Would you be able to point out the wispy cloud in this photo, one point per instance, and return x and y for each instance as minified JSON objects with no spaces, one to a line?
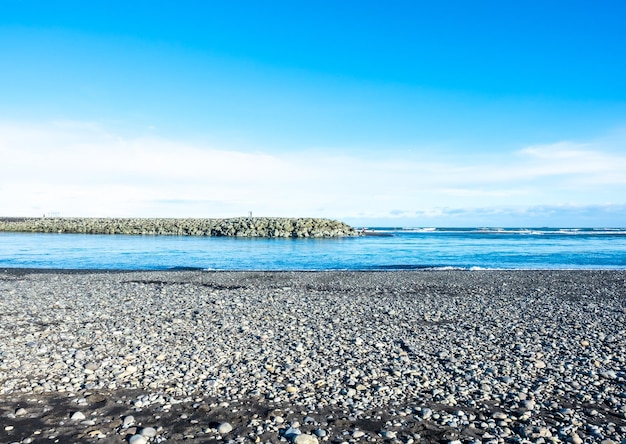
{"x":581,"y":160}
{"x":609,"y":215}
{"x":83,"y":169}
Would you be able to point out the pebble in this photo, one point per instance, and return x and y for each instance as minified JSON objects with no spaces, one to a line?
{"x":137,"y":439}
{"x":305,"y":439}
{"x":291,"y":433}
{"x":78,"y":416}
{"x":516,"y":352}
{"x":528,"y":404}
{"x":91,"y":366}
{"x":320,"y":433}
{"x":224,"y":428}
{"x":148,"y":432}
{"x":388,"y":434}
{"x":575,"y":439}
{"x":427,"y":413}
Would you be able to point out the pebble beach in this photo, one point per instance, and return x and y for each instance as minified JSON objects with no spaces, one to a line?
{"x":310,"y":357}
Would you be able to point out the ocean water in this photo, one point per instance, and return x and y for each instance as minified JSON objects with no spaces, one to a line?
{"x":388,"y":249}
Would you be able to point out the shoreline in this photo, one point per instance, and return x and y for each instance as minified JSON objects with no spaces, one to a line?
{"x":373,"y":270}
{"x":342,"y":356}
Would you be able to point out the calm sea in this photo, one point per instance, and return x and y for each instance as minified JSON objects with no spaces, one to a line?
{"x":391,"y":249}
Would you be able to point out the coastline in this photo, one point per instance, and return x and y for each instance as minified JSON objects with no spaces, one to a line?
{"x":405,"y":356}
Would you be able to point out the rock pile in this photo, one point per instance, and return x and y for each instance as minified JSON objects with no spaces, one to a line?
{"x":243,"y":226}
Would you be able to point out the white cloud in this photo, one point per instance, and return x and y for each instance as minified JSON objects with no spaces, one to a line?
{"x":81,"y":169}
{"x":567,"y":158}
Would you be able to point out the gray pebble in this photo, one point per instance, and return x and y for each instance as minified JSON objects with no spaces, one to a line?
{"x":148,"y":432}
{"x":320,"y":432}
{"x":137,"y":439}
{"x":77,"y":416}
{"x":305,"y":439}
{"x":224,"y":428}
{"x":527,"y":366}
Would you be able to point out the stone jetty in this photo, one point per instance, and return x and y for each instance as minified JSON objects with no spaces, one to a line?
{"x":240,"y":226}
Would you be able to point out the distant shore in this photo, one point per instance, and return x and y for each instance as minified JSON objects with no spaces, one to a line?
{"x":236,"y":227}
{"x":410,"y":357}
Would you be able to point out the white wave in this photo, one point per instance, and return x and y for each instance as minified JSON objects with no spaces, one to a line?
{"x":530,"y":232}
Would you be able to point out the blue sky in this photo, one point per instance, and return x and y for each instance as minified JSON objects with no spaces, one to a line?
{"x":451,"y":113}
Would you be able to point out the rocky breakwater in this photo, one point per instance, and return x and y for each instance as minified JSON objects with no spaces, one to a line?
{"x":241,"y":226}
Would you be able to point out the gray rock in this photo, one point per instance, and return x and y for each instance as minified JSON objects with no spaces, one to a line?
{"x":137,"y":439}
{"x":291,"y":433}
{"x":77,"y":416}
{"x":388,"y":434}
{"x":148,"y":432}
{"x":224,"y":428}
{"x":575,"y":439}
{"x":305,"y":439}
{"x":528,"y":404}
{"x":92,"y":366}
{"x":320,"y":433}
